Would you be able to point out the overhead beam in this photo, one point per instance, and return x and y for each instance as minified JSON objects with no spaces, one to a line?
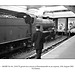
{"x":71,"y":7}
{"x":56,"y":11}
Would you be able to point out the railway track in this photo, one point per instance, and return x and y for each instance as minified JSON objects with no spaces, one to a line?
{"x":47,"y":49}
{"x":31,"y":54}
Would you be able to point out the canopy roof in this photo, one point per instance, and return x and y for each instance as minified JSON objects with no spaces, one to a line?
{"x":53,"y":11}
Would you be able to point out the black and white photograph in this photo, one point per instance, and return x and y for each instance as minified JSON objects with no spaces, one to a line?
{"x":37,"y":31}
{"x":37,"y":37}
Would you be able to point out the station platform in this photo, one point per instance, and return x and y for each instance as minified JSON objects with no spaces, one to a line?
{"x":65,"y":50}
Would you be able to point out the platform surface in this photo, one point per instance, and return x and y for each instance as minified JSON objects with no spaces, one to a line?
{"x":65,"y":50}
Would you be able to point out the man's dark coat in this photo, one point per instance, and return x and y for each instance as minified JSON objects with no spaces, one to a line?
{"x":38,"y":40}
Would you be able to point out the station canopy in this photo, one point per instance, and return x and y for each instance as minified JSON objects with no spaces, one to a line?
{"x":52,"y":11}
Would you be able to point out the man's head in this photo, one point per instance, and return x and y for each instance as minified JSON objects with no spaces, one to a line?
{"x":37,"y":27}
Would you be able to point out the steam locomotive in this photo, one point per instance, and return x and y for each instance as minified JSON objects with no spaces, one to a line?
{"x":16,"y":32}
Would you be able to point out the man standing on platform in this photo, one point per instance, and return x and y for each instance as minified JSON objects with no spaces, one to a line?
{"x":38,"y":41}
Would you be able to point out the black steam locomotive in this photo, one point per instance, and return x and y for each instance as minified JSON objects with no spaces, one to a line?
{"x":16,"y":32}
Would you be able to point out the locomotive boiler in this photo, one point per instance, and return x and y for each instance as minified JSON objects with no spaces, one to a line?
{"x":47,"y":27}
